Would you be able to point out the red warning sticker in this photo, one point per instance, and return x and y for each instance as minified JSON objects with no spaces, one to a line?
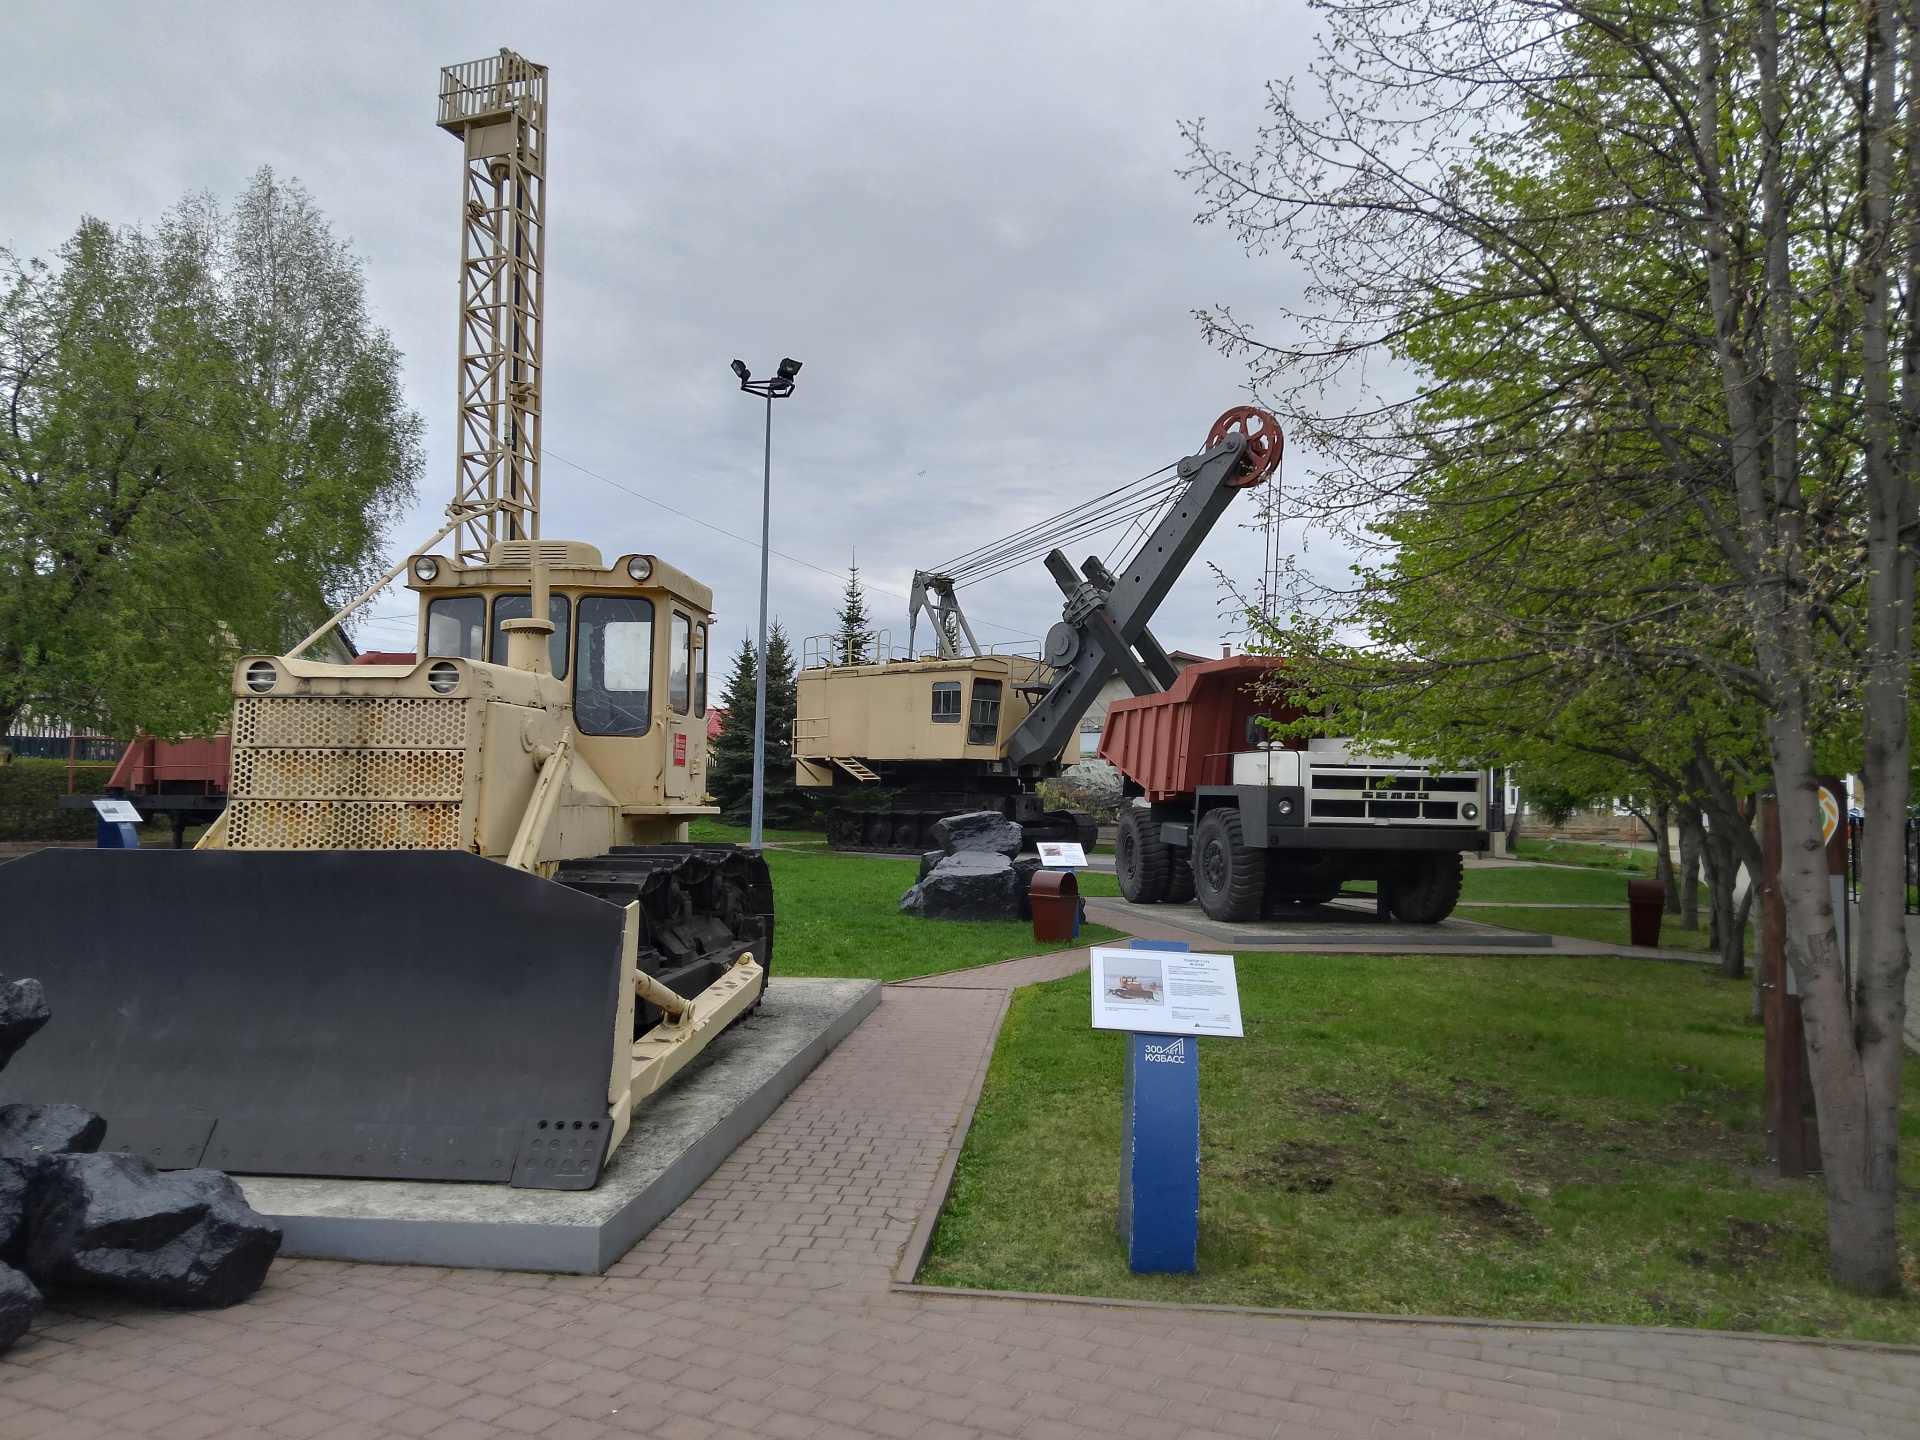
{"x":680,"y":750}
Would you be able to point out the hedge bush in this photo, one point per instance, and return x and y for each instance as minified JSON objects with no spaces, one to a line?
{"x":29,"y":793}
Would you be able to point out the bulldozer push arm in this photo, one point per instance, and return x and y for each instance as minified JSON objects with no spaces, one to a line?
{"x":1105,"y":618}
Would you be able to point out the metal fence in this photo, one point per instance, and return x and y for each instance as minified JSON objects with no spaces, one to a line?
{"x":91,"y":748}
{"x":1856,"y":827}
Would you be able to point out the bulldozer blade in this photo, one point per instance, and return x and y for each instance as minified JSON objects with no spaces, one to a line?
{"x":424,"y":1015}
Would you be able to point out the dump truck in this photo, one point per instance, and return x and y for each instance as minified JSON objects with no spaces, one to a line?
{"x":1219,"y":811}
{"x":965,"y":728}
{"x":449,"y":925}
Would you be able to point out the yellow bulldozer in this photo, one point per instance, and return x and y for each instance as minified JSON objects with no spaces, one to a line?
{"x":450,"y":926}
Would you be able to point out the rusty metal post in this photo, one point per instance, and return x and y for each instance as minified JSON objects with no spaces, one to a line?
{"x":1793,"y":1139}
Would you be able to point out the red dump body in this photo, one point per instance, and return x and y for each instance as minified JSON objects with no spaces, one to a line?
{"x":1172,"y":743}
{"x":173,"y":767}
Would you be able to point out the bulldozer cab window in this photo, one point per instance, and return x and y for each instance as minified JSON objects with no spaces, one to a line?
{"x":700,"y":670}
{"x":613,"y":691}
{"x":457,"y":627}
{"x":680,"y":663}
{"x":946,"y":702}
{"x":983,"y":725}
{"x":519,"y":607}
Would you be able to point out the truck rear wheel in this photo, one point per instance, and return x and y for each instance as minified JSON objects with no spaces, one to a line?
{"x":1426,"y":890}
{"x":1179,"y":876}
{"x":1229,"y":878}
{"x":1140,"y":857}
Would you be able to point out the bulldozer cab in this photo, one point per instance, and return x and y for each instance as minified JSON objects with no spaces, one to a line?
{"x":629,"y":645}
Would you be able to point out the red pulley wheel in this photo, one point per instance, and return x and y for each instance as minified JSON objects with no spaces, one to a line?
{"x":1265,"y":442}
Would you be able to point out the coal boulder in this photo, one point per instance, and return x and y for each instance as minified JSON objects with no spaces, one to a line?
{"x":23,"y":1010}
{"x":972,"y":885}
{"x":986,"y":830}
{"x":181,"y":1237}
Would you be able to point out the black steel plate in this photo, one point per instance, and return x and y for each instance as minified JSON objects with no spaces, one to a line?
{"x":325,"y":1012}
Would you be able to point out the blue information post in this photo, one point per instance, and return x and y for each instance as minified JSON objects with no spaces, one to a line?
{"x":1160,"y":1126}
{"x":113,"y":828}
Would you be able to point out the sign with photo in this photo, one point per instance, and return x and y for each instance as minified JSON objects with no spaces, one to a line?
{"x":116,"y":812}
{"x":1054,"y":852}
{"x":1165,"y":992}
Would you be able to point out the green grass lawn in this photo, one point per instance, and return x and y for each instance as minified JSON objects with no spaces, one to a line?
{"x":1549,"y":885}
{"x":1637,"y":861}
{"x":1564,"y":1138}
{"x":840,"y":915}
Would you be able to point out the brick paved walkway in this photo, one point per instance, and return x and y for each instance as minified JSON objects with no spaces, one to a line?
{"x":763,"y":1307}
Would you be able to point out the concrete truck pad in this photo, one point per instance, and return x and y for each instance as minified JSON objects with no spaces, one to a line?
{"x":677,"y":1140}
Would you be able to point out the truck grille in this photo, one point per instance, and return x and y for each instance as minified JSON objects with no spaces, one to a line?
{"x":1363,"y":792}
{"x":347,"y":774}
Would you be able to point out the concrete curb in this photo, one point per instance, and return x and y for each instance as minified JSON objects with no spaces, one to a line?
{"x":1458,"y":1322}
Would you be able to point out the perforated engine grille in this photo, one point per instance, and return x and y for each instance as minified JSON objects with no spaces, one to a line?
{"x":347,"y":774}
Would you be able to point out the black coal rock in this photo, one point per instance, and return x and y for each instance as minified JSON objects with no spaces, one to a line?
{"x":972,"y":885}
{"x":30,"y":1131}
{"x":23,"y":1010}
{"x":987,"y":830}
{"x":184,"y":1237}
{"x":929,"y":859}
{"x":19,"y":1302}
{"x":1023,"y":872}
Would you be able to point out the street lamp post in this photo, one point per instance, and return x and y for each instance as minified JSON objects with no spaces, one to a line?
{"x":778,"y":388}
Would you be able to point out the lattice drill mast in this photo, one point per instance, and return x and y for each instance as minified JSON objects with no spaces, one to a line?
{"x":498,"y":108}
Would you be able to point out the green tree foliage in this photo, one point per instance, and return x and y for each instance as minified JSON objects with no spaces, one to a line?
{"x":730,"y":771}
{"x":854,"y":640}
{"x":1654,"y":495}
{"x":204,"y":437}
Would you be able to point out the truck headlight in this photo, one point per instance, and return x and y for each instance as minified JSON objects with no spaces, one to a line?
{"x":1286,"y":807}
{"x":262,"y":677}
{"x":443,"y":676}
{"x":1469,"y":811}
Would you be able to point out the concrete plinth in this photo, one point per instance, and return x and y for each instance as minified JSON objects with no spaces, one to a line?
{"x":678,"y":1139}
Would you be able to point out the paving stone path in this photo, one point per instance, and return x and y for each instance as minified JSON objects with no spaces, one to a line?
{"x":766,"y":1307}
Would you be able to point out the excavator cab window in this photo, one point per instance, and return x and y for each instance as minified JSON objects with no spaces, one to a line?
{"x":680,"y":663}
{"x":946,"y":702}
{"x":519,"y":607}
{"x":457,"y":626}
{"x":700,"y":670}
{"x":613,"y":691}
{"x":983,"y":725}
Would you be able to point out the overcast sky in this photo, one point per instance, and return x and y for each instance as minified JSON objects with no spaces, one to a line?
{"x":966,"y":221}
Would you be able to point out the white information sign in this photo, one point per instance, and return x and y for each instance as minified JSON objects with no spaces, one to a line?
{"x":1165,"y":992}
{"x":1056,"y":852}
{"x":116,"y":811}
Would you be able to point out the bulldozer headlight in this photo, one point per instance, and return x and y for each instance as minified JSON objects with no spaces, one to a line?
{"x":1469,"y":811}
{"x":262,"y":677}
{"x":443,"y":676}
{"x":639,"y":567}
{"x":425,"y":567}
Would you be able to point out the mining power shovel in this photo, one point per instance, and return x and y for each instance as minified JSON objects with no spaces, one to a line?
{"x":449,"y":926}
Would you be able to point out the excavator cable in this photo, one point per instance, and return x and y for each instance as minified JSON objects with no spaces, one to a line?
{"x":1118,"y":507}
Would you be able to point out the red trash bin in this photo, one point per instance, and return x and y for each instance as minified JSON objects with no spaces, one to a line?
{"x":1646,"y":904}
{"x":1055,"y":895}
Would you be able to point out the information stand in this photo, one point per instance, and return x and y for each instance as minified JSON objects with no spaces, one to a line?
{"x":114,"y":826}
{"x":1160,"y":1124}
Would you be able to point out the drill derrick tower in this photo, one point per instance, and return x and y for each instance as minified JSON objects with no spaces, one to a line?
{"x":498,"y":108}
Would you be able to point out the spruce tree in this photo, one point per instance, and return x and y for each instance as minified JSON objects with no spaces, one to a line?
{"x":730,"y":772}
{"x":856,"y":626}
{"x":730,"y":763}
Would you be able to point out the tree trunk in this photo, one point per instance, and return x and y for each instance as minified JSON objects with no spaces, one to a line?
{"x":1691,"y":836}
{"x":1663,"y":854}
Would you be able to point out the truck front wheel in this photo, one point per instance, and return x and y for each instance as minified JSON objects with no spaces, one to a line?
{"x":1229,"y":878}
{"x":1140,"y":857}
{"x":1425,"y":891}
